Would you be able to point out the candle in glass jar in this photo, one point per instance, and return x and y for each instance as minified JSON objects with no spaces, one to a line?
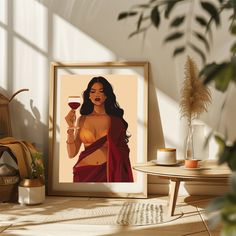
{"x":166,"y":156}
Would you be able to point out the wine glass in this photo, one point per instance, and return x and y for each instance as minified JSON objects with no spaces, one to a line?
{"x":74,"y":103}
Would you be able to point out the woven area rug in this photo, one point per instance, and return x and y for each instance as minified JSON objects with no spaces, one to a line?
{"x":95,"y":212}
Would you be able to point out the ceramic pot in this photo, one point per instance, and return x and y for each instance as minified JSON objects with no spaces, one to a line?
{"x":191,"y":163}
{"x":31,"y":192}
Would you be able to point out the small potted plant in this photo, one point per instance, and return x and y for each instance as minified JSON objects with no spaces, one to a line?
{"x":32,"y":190}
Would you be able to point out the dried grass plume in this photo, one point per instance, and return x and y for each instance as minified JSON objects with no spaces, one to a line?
{"x":195,"y":97}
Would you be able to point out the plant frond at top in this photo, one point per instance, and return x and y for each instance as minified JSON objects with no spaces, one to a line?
{"x":195,"y":97}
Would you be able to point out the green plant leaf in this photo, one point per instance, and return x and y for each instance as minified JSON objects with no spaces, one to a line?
{"x":233,"y":64}
{"x":178,"y":50}
{"x":233,"y":48}
{"x":210,"y":71}
{"x":173,"y":36}
{"x":223,"y":77}
{"x":220,"y":142}
{"x":177,"y":21}
{"x":155,"y":16}
{"x":37,"y":167}
{"x":233,"y":182}
{"x":124,"y":15}
{"x":212,"y":11}
{"x":224,"y":156}
{"x":233,"y":5}
{"x":229,"y":214}
{"x":216,"y":204}
{"x":232,"y":159}
{"x":228,"y":230}
{"x":233,"y":30}
{"x":231,"y":196}
{"x":198,"y":51}
{"x":202,"y":38}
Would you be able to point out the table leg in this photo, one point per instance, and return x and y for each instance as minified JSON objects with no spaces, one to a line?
{"x":173,"y":194}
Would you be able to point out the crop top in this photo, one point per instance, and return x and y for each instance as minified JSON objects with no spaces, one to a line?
{"x":88,"y":137}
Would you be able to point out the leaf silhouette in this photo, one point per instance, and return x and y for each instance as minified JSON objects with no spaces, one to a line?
{"x":203,"y":39}
{"x":178,"y":50}
{"x":142,"y":30}
{"x":140,"y":21}
{"x":212,"y":11}
{"x":124,"y":15}
{"x":177,"y":21}
{"x":155,"y":16}
{"x":142,"y":5}
{"x":169,"y":8}
{"x":201,"y":20}
{"x":174,"y":36}
{"x":199,"y":52}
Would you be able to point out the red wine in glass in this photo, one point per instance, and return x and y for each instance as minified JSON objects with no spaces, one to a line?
{"x":74,"y":102}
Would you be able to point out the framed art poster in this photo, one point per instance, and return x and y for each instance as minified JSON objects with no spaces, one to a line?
{"x":98,"y":129}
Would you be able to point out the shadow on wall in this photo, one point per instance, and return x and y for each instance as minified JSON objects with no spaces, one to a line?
{"x":71,"y":14}
{"x":28,"y":126}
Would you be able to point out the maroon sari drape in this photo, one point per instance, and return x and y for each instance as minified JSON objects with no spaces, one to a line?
{"x":117,"y":168}
{"x":90,"y":173}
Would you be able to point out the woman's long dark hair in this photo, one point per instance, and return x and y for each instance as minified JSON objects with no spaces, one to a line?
{"x":111,"y":105}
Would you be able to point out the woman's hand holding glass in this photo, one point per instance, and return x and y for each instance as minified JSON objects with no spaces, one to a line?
{"x":74,"y":103}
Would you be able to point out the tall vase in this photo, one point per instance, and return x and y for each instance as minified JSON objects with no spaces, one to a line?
{"x":189,"y":149}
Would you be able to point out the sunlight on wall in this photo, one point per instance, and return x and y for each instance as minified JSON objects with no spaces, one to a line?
{"x":170,"y":120}
{"x":69,"y":43}
{"x":33,"y":75}
{"x":3,"y":58}
{"x":213,"y":146}
{"x":3,"y":11}
{"x":33,"y":37}
{"x":31,"y":21}
{"x":3,"y":45}
{"x":175,"y":130}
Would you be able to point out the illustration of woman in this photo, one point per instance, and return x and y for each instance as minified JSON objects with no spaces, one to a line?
{"x":102,"y":130}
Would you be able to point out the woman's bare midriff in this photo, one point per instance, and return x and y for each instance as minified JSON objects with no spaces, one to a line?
{"x":96,"y":158}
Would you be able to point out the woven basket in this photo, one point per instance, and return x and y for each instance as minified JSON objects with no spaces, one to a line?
{"x":9,"y":188}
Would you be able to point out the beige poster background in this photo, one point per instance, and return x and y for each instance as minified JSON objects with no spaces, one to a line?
{"x":125,"y":89}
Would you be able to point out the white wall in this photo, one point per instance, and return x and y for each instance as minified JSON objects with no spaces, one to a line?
{"x":34,"y":33}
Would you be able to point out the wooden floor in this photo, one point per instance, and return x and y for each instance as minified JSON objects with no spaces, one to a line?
{"x":193,"y":222}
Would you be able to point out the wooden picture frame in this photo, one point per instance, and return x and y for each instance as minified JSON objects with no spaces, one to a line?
{"x":130,"y":84}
